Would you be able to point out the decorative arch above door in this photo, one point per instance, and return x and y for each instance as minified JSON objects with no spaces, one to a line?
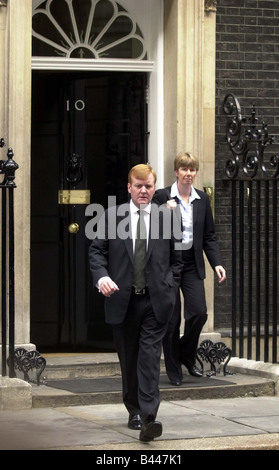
{"x":87,"y":33}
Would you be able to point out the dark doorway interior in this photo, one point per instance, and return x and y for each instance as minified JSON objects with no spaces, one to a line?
{"x":88,"y":130}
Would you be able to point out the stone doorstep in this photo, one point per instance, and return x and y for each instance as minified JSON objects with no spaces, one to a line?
{"x":93,"y":366}
{"x":45,"y":397}
{"x":68,"y":366}
{"x":17,"y":394}
{"x":262,"y":369}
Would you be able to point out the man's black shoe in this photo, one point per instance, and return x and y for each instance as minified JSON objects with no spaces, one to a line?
{"x":176,"y":382}
{"x":193,"y":370}
{"x":135,"y":422}
{"x":150,"y":430}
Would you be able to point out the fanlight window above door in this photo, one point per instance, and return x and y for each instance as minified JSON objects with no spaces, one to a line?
{"x":85,"y":29}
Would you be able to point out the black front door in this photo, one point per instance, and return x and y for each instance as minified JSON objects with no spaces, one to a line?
{"x":88,"y":130}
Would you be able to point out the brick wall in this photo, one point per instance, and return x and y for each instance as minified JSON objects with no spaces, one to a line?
{"x":247,"y":64}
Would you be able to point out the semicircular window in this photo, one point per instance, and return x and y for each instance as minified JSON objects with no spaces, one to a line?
{"x":85,"y":29}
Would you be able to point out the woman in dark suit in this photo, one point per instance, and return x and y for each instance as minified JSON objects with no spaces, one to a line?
{"x":198,"y":235}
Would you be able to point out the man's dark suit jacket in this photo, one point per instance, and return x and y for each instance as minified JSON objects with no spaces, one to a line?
{"x":204,"y":238}
{"x":114,"y":258}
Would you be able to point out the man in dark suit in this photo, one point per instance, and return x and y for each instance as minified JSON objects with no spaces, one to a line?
{"x":198,"y":237}
{"x":140,"y":297}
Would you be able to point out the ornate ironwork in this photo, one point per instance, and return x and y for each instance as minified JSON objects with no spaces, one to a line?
{"x":74,"y":169}
{"x":214,"y":353}
{"x":108,"y":28}
{"x":248,"y":143}
{"x":7,"y":186}
{"x":24,"y":361}
{"x":210,"y":5}
{"x":8,"y":168}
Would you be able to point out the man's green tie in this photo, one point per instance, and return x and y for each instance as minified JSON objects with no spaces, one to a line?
{"x":140,"y":252}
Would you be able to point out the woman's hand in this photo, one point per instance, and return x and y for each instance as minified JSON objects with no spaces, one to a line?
{"x":221,"y":273}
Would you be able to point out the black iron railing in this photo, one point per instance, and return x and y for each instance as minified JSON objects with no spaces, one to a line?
{"x":253,"y":173}
{"x":7,"y":186}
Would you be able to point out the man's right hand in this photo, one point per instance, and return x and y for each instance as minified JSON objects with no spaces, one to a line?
{"x":108,"y":287}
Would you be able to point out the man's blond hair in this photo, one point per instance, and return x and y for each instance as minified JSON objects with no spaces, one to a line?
{"x":141,"y":172}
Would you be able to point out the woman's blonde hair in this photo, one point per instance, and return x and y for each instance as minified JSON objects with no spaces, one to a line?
{"x":187,"y":160}
{"x":141,"y":172}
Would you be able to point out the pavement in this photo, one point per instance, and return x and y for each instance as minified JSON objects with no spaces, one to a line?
{"x":246,"y":422}
{"x":218,"y":424}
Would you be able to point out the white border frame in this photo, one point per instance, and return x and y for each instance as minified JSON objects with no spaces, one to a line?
{"x":114,"y":65}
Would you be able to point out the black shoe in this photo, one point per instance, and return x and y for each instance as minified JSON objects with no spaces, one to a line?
{"x":193,"y":370}
{"x":176,"y":382}
{"x":135,"y":422}
{"x":150,"y":430}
